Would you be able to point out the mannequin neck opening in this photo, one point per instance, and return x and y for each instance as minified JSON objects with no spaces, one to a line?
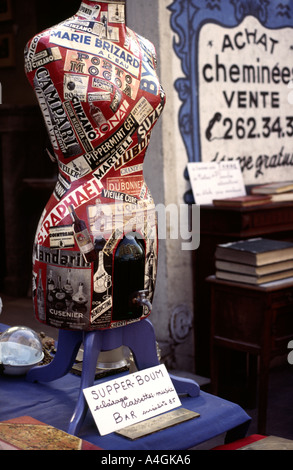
{"x":109,"y":12}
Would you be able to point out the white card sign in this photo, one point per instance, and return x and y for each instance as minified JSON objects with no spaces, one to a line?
{"x":131,"y":399}
{"x":211,"y":180}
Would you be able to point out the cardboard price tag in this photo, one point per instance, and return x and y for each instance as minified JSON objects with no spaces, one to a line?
{"x":131,"y":399}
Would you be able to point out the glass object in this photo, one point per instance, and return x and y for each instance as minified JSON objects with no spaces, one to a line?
{"x":20,"y":347}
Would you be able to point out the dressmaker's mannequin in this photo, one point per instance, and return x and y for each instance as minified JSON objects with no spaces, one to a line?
{"x":100,"y":96}
{"x":97,"y":87}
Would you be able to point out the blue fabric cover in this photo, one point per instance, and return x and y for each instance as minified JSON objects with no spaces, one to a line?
{"x":53,"y":403}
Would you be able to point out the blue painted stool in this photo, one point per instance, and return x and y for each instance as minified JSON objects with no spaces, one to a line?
{"x":139,"y":337}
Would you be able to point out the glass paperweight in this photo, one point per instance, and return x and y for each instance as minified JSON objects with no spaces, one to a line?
{"x":20,"y":349}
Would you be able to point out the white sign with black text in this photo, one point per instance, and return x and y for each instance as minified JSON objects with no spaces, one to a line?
{"x":130,"y":399}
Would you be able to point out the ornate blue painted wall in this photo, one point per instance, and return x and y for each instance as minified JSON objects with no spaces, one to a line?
{"x":188,"y":17}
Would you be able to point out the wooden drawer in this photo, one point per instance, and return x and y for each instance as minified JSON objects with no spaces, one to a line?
{"x":282,"y":328}
{"x":281,"y":298}
{"x":239,"y":317}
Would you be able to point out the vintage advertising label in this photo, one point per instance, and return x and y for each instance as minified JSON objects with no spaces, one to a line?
{"x":103,"y":75}
{"x":131,"y":399}
{"x":244,"y":80}
{"x":100,"y":47}
{"x":61,"y":237}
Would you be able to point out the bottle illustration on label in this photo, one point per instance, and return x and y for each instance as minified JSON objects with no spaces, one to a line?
{"x":102,"y":283}
{"x":102,"y":280}
{"x":50,"y":287}
{"x":82,"y":237}
{"x":68,"y":289}
{"x":59,"y":296}
{"x":41,"y":298}
{"x":129,"y":267}
{"x":79,"y":299}
{"x":99,"y":118}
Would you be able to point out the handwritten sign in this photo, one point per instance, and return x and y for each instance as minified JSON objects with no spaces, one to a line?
{"x":212,"y":180}
{"x":131,"y":399}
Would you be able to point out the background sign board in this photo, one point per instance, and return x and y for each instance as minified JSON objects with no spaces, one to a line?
{"x":238,"y":91}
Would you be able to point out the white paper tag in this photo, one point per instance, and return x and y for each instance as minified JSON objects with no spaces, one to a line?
{"x":131,"y":399}
{"x":213,"y":180}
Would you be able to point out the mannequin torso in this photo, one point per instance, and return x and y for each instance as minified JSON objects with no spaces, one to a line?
{"x":100,"y":96}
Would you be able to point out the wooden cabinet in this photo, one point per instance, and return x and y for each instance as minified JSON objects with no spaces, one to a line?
{"x":221,"y":225}
{"x":23,"y":140}
{"x":256,"y":320}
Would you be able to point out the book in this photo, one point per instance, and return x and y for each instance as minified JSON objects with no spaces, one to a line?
{"x":258,"y":442}
{"x":242,"y":201}
{"x":270,"y":443}
{"x":255,"y":251}
{"x":254,"y":270}
{"x":257,"y":280}
{"x":282,"y":197}
{"x":27,"y":433}
{"x":273,"y":188}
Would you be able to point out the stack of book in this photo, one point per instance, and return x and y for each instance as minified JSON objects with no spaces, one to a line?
{"x":263,"y":194}
{"x":243,"y":201}
{"x":278,"y":192}
{"x":254,"y":261}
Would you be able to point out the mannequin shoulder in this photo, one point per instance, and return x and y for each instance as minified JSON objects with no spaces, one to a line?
{"x":44,"y":36}
{"x":40,"y":39}
{"x":146,"y":46}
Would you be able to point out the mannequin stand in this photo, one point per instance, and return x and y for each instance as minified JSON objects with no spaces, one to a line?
{"x":139,"y":337}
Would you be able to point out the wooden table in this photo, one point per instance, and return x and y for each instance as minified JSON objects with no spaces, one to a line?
{"x":257,"y":320}
{"x":223,"y":225}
